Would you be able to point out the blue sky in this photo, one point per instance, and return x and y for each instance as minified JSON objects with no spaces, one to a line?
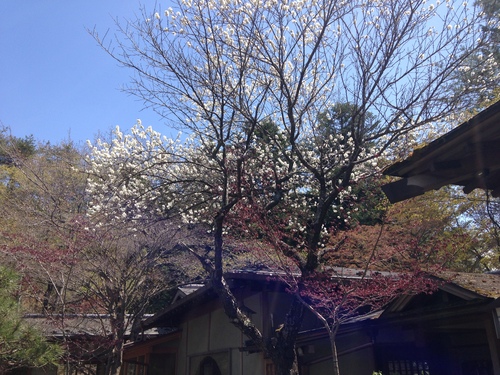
{"x":56,"y":83}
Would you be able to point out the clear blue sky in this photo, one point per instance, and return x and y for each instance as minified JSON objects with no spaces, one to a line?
{"x":55,"y":82}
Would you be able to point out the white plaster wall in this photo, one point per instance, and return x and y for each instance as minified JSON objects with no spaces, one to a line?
{"x":223,"y":334}
{"x":197,"y":334}
{"x":212,"y":332}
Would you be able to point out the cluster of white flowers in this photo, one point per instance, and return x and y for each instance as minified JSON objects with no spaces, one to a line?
{"x":127,"y":173}
{"x":286,"y":62}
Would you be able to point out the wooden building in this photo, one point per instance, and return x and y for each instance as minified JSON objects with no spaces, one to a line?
{"x":452,"y":331}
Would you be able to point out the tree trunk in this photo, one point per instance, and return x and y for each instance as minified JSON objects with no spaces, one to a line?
{"x":281,"y":348}
{"x":117,"y":322}
{"x":332,"y":335}
{"x":285,"y":360}
{"x":116,"y":359}
{"x":335,"y":357}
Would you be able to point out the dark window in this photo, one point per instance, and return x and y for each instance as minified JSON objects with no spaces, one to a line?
{"x":408,"y":367}
{"x":162,"y":364}
{"x":135,"y":366}
{"x":477,"y":368}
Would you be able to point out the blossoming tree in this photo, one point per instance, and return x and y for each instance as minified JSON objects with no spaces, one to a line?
{"x":253,"y":83}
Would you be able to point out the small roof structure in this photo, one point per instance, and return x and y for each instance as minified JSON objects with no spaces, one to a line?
{"x":467,"y":156}
{"x":70,"y":324}
{"x":75,"y":325}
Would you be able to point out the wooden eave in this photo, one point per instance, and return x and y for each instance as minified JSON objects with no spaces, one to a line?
{"x":137,"y":348}
{"x":467,"y":156}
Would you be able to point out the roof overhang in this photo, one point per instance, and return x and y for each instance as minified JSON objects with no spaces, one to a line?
{"x":469,"y":287}
{"x":467,"y":156}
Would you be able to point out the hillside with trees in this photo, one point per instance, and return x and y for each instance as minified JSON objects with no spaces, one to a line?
{"x":68,"y":266}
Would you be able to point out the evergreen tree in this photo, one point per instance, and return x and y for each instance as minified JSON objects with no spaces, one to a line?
{"x":20,"y":344}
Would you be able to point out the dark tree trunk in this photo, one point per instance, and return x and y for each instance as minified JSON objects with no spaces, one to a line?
{"x":281,"y":347}
{"x":117,"y":323}
{"x":335,"y":357}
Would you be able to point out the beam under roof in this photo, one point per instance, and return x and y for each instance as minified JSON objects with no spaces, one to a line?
{"x":467,"y":156}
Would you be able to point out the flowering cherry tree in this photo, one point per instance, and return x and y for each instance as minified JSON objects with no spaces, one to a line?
{"x":286,"y":105}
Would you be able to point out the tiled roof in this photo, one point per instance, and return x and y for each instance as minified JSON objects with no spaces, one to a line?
{"x":74,"y":324}
{"x":484,"y":284}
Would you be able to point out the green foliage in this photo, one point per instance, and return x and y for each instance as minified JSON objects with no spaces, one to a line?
{"x":483,"y":67}
{"x":456,"y":226}
{"x":20,"y":344}
{"x":479,"y":217}
{"x":492,"y":9}
{"x":366,"y":203}
{"x":10,"y":145}
{"x":342,"y":118}
{"x":371,"y":205}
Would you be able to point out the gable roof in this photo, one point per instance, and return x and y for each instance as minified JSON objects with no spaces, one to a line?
{"x":467,"y":156}
{"x":484,"y":288}
{"x":186,"y":290}
{"x":202,"y":293}
{"x":466,"y":295}
{"x":169,"y":315}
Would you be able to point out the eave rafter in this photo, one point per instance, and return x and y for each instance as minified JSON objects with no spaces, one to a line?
{"x":468,"y":156}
